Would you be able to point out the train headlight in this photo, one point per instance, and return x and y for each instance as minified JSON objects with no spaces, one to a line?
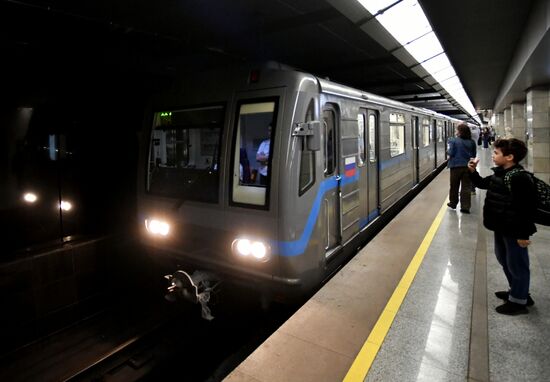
{"x":30,"y":197}
{"x":259,"y":250}
{"x":256,"y":249}
{"x":65,"y":205}
{"x":243,"y":246}
{"x":157,"y":227}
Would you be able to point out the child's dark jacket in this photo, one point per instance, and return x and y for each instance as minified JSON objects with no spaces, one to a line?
{"x":509,"y":213}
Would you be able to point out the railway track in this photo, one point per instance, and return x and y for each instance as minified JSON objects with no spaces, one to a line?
{"x":131,"y":360}
{"x":165,"y":341}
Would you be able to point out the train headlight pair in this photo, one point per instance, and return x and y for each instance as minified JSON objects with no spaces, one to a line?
{"x":31,"y":198}
{"x":157,"y":227}
{"x":253,"y":248}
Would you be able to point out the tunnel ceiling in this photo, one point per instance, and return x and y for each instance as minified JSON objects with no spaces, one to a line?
{"x":49,"y":45}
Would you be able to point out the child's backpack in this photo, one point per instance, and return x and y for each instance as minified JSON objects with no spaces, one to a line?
{"x":542,"y":214}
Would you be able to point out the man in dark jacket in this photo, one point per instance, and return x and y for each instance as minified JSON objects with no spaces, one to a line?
{"x":508,"y":211}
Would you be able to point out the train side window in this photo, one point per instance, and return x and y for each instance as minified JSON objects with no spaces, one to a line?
{"x":426,"y":132}
{"x":253,"y":152}
{"x":330,"y":142}
{"x":307,"y":168}
{"x":307,"y":158}
{"x":439,"y":131}
{"x":397,"y":134}
{"x":372,"y":138}
{"x":361,"y":157}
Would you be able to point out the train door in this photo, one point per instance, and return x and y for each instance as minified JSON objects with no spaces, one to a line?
{"x":331,"y":197}
{"x":415,"y":144}
{"x":447,"y":136}
{"x":435,"y":137}
{"x":368,"y":166}
{"x":372,"y":167}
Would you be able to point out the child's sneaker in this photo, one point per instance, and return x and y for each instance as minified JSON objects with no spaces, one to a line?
{"x":511,"y":308}
{"x":503,"y":295}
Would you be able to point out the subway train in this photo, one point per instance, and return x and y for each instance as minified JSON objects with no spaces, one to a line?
{"x":269,"y":177}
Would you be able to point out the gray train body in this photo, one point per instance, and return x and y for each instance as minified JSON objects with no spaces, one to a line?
{"x":339,"y":158}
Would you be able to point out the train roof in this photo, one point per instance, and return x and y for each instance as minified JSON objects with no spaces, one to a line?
{"x":234,"y":77}
{"x":330,"y":87}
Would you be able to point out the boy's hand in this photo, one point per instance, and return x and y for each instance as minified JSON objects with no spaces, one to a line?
{"x":472,"y":164}
{"x":523,"y":243}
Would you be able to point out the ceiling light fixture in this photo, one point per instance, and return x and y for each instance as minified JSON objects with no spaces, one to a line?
{"x":406,"y":22}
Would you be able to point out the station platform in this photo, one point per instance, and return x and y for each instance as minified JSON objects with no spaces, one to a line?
{"x":417,"y":304}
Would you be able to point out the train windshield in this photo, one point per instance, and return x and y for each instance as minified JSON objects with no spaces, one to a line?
{"x":184,"y":153}
{"x":253,"y":152}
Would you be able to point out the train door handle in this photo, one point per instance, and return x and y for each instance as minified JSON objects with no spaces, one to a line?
{"x":338,"y":177}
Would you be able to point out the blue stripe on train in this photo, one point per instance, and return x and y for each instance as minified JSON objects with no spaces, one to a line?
{"x":297,"y":247}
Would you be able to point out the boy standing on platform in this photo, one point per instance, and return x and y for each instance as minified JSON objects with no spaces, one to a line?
{"x":509,"y":211}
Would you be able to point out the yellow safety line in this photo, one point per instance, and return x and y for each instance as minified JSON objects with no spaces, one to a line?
{"x":362,"y":363}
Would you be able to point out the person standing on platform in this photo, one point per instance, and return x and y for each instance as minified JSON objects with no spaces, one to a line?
{"x":492,"y":134}
{"x":476,"y":137}
{"x":485,"y":136}
{"x":460,"y":149}
{"x":508,"y":212}
{"x":475,"y":133}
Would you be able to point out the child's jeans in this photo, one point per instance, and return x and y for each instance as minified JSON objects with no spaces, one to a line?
{"x":515,"y":263}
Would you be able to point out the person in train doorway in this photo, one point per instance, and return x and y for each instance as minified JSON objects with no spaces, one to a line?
{"x":460,"y":149}
{"x":262,"y":156}
{"x":508,"y":212}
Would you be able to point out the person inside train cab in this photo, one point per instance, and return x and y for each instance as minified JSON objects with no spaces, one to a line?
{"x":244,"y":167}
{"x":509,"y":210}
{"x":262,"y":156}
{"x":460,"y":150}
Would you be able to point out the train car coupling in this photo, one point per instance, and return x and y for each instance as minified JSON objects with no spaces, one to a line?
{"x":196,"y":288}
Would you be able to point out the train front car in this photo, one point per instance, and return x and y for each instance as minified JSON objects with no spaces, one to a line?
{"x":217,"y":166}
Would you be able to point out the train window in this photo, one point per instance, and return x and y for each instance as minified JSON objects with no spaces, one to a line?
{"x":397,"y":134}
{"x":361,"y":140}
{"x":372,"y":138}
{"x":307,"y":168}
{"x":307,"y":158}
{"x":184,"y":153}
{"x":439,"y":131}
{"x":330,"y":141}
{"x":426,"y":132}
{"x":253,"y":152}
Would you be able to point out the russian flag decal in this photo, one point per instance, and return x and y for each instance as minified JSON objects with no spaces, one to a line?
{"x":350,"y":167}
